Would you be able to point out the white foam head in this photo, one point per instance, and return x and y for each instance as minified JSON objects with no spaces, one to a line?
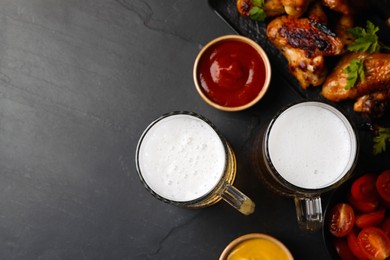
{"x":181,"y":158}
{"x":312,"y":145}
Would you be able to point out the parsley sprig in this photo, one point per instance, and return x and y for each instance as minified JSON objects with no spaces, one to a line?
{"x":380,"y":140}
{"x":366,"y":39}
{"x":355,"y":71}
{"x":257,"y":12}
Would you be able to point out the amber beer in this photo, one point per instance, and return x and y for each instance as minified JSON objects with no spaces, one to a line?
{"x":183,"y":160}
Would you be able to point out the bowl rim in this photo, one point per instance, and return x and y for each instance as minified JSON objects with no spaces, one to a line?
{"x":225,"y":253}
{"x":259,"y":50}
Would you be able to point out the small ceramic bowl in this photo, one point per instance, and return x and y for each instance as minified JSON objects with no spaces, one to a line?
{"x":232,"y":73}
{"x":256,"y":246}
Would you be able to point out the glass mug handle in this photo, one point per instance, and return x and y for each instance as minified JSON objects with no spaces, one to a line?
{"x":237,"y":199}
{"x":309,"y":212}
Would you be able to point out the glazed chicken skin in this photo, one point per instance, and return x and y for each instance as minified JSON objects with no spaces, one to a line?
{"x":304,"y":43}
{"x":377,"y":77}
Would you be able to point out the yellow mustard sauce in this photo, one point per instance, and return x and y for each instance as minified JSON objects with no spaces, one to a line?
{"x":258,"y":249}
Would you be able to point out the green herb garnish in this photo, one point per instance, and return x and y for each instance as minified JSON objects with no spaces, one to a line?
{"x":355,"y":70}
{"x":366,"y":40}
{"x":257,"y":11}
{"x":380,"y":140}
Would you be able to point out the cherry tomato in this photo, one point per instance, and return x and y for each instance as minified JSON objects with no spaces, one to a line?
{"x":342,"y":219}
{"x":353,"y":244}
{"x":386,"y":226}
{"x":342,"y":249}
{"x":383,"y":185}
{"x":363,"y":206}
{"x":363,"y":188}
{"x":370,"y":219}
{"x":374,"y":243}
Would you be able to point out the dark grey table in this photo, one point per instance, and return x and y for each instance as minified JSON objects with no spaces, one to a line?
{"x":79,"y":81}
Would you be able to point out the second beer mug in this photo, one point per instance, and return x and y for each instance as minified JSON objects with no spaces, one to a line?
{"x":308,"y":148}
{"x":183,"y":160}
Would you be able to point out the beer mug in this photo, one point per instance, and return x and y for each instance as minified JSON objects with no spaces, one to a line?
{"x":307,"y":149}
{"x":182,"y":159}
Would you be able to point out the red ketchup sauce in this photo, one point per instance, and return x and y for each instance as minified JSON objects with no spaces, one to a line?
{"x":231,"y":73}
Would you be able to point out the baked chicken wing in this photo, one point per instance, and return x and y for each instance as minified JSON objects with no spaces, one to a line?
{"x":304,"y":43}
{"x":377,"y":77}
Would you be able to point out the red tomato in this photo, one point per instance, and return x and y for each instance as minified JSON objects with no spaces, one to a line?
{"x":383,"y":185}
{"x":353,"y":244}
{"x":342,"y":219}
{"x":363,"y":188}
{"x":386,"y":226}
{"x":363,"y":206}
{"x":342,"y":249}
{"x":370,"y":219}
{"x":374,"y":243}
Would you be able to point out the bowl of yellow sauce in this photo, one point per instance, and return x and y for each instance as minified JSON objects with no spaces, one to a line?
{"x":256,"y":246}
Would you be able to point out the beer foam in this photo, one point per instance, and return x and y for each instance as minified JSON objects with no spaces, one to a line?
{"x":312,"y":146}
{"x":181,"y":158}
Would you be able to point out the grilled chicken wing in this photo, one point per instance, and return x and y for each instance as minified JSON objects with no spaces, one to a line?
{"x":377,"y":77}
{"x":346,"y":7}
{"x":244,"y":6}
{"x":316,"y":13}
{"x":296,"y":7}
{"x":374,"y":104}
{"x":276,"y":7}
{"x":343,"y":24}
{"x":271,"y":7}
{"x":304,"y":43}
{"x":340,"y":6}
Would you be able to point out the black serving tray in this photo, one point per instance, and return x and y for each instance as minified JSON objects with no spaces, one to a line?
{"x":378,"y":13}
